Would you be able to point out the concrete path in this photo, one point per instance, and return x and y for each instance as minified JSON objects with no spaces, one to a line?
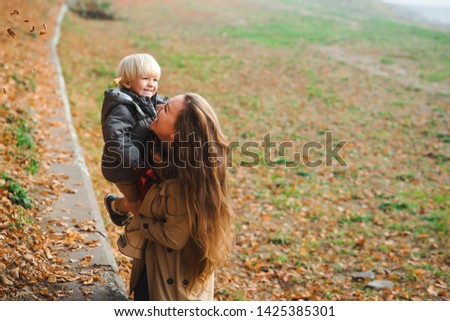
{"x":78,"y":206}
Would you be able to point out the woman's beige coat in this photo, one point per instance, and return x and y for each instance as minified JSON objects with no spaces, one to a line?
{"x":163,"y":220}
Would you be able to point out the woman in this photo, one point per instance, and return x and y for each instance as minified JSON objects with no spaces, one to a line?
{"x":186,"y":217}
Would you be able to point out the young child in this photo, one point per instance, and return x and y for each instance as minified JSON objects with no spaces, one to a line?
{"x":127,"y":113}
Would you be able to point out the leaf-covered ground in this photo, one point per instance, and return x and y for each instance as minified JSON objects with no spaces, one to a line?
{"x":297,"y":70}
{"x":28,"y":101}
{"x":32,"y":266}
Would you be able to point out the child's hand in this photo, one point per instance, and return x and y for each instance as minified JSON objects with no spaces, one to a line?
{"x":133,"y":206}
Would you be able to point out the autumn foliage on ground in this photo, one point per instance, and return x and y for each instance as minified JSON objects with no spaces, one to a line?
{"x":31,"y":264}
{"x":292,"y":69}
{"x":297,"y":69}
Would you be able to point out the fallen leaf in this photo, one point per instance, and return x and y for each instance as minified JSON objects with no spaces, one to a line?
{"x":26,"y":21}
{"x":45,"y":26}
{"x":32,"y":29}
{"x":70,"y":191}
{"x":6,"y":281}
{"x":85,"y":262}
{"x":52,"y":279}
{"x":48,"y":253}
{"x":14,"y":12}
{"x":15,"y":273}
{"x":431,"y":290}
{"x":42,"y":32}
{"x":89,"y":281}
{"x":87,"y":291}
{"x":11,"y":32}
{"x":441,"y":284}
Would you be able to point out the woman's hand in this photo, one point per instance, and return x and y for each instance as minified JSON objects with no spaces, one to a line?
{"x":133,"y":225}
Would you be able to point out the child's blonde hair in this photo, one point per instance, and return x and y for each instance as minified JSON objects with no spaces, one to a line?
{"x":135,"y":66}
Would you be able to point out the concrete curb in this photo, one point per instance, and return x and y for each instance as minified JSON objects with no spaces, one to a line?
{"x":80,"y":205}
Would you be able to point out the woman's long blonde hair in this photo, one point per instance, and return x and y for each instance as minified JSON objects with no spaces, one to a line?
{"x":200,"y":150}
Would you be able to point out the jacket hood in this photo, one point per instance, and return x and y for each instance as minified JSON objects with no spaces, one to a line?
{"x":120,"y":96}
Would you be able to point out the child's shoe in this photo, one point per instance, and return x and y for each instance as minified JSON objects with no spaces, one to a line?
{"x":132,"y":243}
{"x":117,"y":217}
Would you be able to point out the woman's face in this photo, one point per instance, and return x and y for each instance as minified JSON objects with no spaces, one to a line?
{"x":164,"y":125}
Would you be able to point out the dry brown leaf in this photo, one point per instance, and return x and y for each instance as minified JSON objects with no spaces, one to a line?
{"x":45,"y":26}
{"x":6,"y":281}
{"x":4,"y":90}
{"x":26,"y":20}
{"x":52,"y":279}
{"x":11,"y":32}
{"x":87,"y":291}
{"x":29,"y":257}
{"x":32,"y":29}
{"x":70,"y":191}
{"x":15,"y":273}
{"x":85,"y":262}
{"x":48,"y":254}
{"x":14,"y":12}
{"x":42,"y":32}
{"x":432,"y":291}
{"x":88,"y":281}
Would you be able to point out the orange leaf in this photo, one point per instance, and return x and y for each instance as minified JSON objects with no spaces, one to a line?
{"x":52,"y":279}
{"x":6,"y":281}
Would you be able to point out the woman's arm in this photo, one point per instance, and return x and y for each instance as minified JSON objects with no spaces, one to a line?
{"x":173,"y":231}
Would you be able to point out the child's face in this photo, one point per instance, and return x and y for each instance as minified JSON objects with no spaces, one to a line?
{"x":143,"y":86}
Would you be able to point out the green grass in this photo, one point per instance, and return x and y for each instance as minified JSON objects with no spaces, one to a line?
{"x":22,"y":220}
{"x":393,"y":34}
{"x":29,"y":82}
{"x":281,"y":239}
{"x":290,"y":29}
{"x":33,"y":166}
{"x":102,"y":71}
{"x":412,"y":42}
{"x":389,"y":206}
{"x":437,"y":222}
{"x":387,"y":60}
{"x":17,"y":194}
{"x":444,"y":137}
{"x":23,"y":134}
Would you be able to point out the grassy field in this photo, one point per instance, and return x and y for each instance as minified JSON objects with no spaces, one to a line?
{"x":297,"y":70}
